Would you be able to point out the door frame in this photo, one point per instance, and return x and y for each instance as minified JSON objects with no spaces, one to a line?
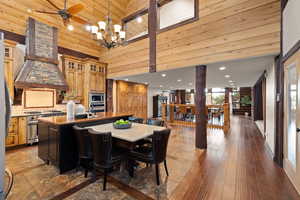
{"x":291,"y":171}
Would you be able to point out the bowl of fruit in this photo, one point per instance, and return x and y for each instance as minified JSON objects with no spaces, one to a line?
{"x":122,"y":124}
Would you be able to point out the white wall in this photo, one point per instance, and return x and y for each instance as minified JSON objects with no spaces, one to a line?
{"x":270,"y":107}
{"x":291,"y":25}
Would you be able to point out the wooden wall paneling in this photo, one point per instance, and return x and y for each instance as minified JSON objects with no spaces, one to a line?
{"x":227,"y":30}
{"x":200,"y":103}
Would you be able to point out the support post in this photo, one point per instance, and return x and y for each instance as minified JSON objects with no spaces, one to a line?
{"x":152,"y":26}
{"x":200,"y":103}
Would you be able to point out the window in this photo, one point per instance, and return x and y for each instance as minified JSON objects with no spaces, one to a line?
{"x":215,"y":96}
{"x":136,"y":26}
{"x":171,"y":14}
{"x":176,"y":12}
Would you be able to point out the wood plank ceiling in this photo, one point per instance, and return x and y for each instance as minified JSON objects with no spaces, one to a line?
{"x":13,"y":16}
{"x":226,"y":30}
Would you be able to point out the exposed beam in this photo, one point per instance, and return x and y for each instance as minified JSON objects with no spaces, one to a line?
{"x":200,"y":101}
{"x":152,"y":27}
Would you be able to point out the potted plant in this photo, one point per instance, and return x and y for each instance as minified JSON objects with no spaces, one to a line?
{"x":246,"y":101}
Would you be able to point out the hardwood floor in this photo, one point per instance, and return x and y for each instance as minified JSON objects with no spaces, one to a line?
{"x":236,"y":166}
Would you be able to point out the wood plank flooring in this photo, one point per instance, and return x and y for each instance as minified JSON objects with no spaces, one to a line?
{"x":236,"y":166}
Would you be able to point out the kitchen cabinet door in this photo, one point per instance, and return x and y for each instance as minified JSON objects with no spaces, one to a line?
{"x":12,"y":138}
{"x":22,"y":130}
{"x":79,"y":81}
{"x":71,"y":79}
{"x":53,"y":144}
{"x":93,"y":78}
{"x":8,"y":68}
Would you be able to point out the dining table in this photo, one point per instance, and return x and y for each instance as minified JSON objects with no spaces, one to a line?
{"x":128,"y":137}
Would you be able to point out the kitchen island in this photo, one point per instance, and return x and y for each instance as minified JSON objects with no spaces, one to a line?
{"x":57,"y":141}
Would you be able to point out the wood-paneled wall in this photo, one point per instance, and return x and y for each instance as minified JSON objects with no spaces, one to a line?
{"x":226,"y":30}
{"x":13,"y":17}
{"x":132,"y":98}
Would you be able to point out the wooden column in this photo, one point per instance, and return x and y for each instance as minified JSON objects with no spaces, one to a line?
{"x":152,"y":26}
{"x":279,"y":111}
{"x":200,"y":103}
{"x":227,"y":90}
{"x":109,"y":95}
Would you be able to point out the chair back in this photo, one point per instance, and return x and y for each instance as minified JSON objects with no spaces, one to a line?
{"x":136,"y":120}
{"x":102,"y":147}
{"x":160,"y":144}
{"x":84,"y":142}
{"x":155,"y":122}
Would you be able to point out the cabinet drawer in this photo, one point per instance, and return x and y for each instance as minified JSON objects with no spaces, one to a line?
{"x":11,"y":140}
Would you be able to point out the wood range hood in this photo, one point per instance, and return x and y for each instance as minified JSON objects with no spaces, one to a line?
{"x":40,"y":69}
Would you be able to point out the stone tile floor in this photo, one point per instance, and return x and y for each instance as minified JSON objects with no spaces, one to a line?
{"x":36,"y":180}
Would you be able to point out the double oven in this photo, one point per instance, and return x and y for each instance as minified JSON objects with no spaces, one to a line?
{"x":97,"y":102}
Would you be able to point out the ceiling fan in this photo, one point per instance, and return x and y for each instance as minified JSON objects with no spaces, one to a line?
{"x":66,"y":14}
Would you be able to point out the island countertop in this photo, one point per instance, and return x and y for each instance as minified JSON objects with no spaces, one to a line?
{"x":62,"y":120}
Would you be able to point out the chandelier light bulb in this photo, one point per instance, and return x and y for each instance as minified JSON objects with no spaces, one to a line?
{"x":102,"y":25}
{"x":94,"y":29}
{"x":117,"y":28}
{"x":99,"y":36}
{"x":122,"y":34}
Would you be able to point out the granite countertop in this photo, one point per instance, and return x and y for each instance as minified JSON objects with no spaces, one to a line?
{"x":24,"y":114}
{"x":62,"y":120}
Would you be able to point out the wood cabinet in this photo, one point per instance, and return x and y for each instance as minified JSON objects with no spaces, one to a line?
{"x":17,"y":132}
{"x":83,"y":76}
{"x":9,"y":65}
{"x":73,"y":70}
{"x":12,"y":138}
{"x":97,"y":76}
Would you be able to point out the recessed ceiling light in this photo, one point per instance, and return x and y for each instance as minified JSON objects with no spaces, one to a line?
{"x":126,"y":79}
{"x":146,"y":83}
{"x":139,"y":19}
{"x":190,"y":83}
{"x":29,"y":10}
{"x":161,"y":86}
{"x":163,"y":75}
{"x":70,"y":27}
{"x":230,"y":81}
{"x":227,"y":76}
{"x":222,"y":68}
{"x":179,"y":80}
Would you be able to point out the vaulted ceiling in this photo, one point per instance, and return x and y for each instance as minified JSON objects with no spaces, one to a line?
{"x":14,"y":14}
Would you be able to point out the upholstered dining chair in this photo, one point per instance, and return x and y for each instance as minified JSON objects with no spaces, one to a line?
{"x":105,"y":155}
{"x":155,"y":154}
{"x":84,"y":144}
{"x":136,"y":120}
{"x":155,"y":122}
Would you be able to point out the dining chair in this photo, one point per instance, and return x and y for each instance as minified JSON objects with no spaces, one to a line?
{"x":155,"y":122}
{"x":85,"y":155}
{"x":136,"y":120}
{"x":105,"y":155}
{"x":155,"y":154}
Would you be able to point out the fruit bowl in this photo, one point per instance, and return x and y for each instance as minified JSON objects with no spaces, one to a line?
{"x":122,"y":124}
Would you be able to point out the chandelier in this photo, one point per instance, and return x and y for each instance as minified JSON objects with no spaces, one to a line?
{"x":108,"y":35}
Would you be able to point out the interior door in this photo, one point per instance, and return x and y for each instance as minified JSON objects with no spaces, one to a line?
{"x":292,"y":119}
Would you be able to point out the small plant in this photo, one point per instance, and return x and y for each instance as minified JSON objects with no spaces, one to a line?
{"x":246,"y":101}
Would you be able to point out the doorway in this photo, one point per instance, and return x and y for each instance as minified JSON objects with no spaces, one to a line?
{"x":291,"y":162}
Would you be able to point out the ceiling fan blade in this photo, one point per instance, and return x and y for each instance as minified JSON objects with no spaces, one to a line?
{"x":79,"y":20}
{"x":75,"y":9}
{"x":46,"y":12}
{"x":55,"y":6}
